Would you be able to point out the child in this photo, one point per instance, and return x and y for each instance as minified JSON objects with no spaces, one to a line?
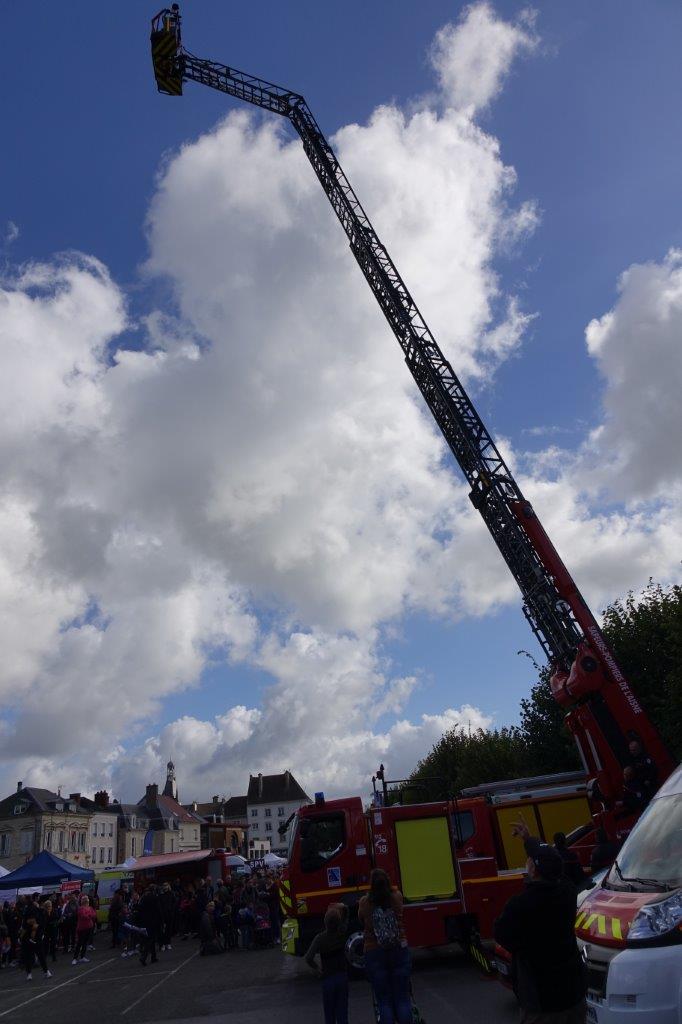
{"x":330,"y":946}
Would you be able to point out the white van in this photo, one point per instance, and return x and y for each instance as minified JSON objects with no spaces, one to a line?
{"x":630,"y":926}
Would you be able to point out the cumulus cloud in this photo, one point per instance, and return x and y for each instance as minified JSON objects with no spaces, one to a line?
{"x":637,"y":348}
{"x":473,"y":57}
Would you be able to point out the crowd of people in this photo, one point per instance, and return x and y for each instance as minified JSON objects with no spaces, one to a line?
{"x":241,"y":913}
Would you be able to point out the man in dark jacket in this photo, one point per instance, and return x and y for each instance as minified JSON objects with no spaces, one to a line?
{"x":149,"y":917}
{"x":537,"y":927}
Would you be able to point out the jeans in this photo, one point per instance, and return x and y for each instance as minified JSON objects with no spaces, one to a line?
{"x":389,"y":973}
{"x":335,"y":998}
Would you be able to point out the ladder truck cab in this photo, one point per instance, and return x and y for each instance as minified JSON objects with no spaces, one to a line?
{"x":455,"y":861}
{"x":335,"y":844}
{"x":629,"y":927}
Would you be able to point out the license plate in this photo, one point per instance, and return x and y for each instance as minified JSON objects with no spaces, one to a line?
{"x":591,"y":1016}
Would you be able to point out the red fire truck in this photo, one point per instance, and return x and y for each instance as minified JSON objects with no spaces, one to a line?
{"x":602,"y":712}
{"x":455,"y":861}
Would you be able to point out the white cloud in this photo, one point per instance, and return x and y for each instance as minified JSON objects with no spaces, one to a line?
{"x":11,"y":232}
{"x":473,"y":57}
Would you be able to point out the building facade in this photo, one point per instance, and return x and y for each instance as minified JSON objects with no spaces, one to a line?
{"x":104,"y":821}
{"x":172,"y":827}
{"x":221,"y":830}
{"x":35,"y":819}
{"x":270,"y":802}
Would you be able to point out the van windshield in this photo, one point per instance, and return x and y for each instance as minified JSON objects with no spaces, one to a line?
{"x":652,"y":855}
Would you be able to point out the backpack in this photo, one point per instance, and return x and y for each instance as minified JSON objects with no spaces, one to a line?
{"x":386,"y":928}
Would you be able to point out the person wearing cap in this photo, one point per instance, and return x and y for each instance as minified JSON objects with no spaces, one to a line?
{"x":537,"y":928}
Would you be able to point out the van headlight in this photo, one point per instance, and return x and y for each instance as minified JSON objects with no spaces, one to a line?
{"x":657,"y":919}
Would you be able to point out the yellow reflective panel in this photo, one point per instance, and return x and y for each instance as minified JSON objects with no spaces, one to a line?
{"x":289,"y":935}
{"x":563,"y":815}
{"x":425,"y":858}
{"x":513,"y":846}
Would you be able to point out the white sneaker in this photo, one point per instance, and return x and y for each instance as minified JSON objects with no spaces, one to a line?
{"x":169,"y":947}
{"x":29,"y":977}
{"x":48,"y":974}
{"x":84,"y":960}
{"x":74,"y":962}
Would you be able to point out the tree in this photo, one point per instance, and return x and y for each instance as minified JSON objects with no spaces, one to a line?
{"x":645,"y":633}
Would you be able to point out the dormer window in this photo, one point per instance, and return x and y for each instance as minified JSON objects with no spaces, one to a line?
{"x":20,"y":808}
{"x":59,"y":807}
{"x":72,"y":807}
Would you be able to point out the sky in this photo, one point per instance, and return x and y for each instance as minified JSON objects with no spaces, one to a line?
{"x":230,"y":534}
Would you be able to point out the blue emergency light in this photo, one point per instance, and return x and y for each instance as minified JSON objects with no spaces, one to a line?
{"x":319,"y":798}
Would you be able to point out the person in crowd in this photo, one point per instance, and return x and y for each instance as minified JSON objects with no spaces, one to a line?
{"x":604,"y":852}
{"x":5,"y":941}
{"x":387,"y":957}
{"x":208,"y":940}
{"x":188,"y":913}
{"x":635,"y":798}
{"x":274,"y":908}
{"x":167,"y":903}
{"x":572,"y":868}
{"x":68,"y":924}
{"x":644,"y":769}
{"x":226,"y":924}
{"x":50,"y":930}
{"x":32,"y":947}
{"x":85,"y":927}
{"x":150,"y":918}
{"x":537,"y":927}
{"x":115,"y":913}
{"x":330,"y":946}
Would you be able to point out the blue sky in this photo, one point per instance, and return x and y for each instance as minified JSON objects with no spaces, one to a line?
{"x":587,"y":118}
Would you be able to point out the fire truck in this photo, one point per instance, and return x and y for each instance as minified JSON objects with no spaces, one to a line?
{"x":455,"y":861}
{"x":602,"y":712}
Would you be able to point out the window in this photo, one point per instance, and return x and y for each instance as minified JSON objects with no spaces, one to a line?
{"x":94,"y":828}
{"x":81,"y":842}
{"x":101,"y":855}
{"x":59,"y":807}
{"x":254,"y":828}
{"x":111,"y":830}
{"x":463,"y":825}
{"x":182,"y":835}
{"x":60,"y":841}
{"x":110,"y":855}
{"x":196,"y":835}
{"x":254,"y":812}
{"x":72,"y":807}
{"x":268,"y":812}
{"x":72,"y":843}
{"x":5,"y":844}
{"x":132,"y":821}
{"x":280,"y":812}
{"x":268,"y":826}
{"x":321,"y":838}
{"x":20,"y":808}
{"x":48,"y":839}
{"x":94,"y":855}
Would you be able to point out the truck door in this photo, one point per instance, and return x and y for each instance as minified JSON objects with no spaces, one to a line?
{"x":427,"y":870}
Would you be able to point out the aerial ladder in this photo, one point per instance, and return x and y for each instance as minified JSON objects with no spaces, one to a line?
{"x":602,"y":711}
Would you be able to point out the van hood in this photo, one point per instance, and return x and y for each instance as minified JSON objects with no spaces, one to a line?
{"x":605,"y":916}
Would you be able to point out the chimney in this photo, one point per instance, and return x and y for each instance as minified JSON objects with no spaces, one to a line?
{"x":152,"y":795}
{"x":216,"y":799}
{"x":260,"y":785}
{"x":102,"y":798}
{"x":76,"y":797}
{"x":20,"y":786}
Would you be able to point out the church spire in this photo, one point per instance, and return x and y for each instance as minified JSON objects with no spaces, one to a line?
{"x":171,"y":787}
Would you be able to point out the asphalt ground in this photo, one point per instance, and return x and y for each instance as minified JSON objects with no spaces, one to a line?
{"x":239,"y":987}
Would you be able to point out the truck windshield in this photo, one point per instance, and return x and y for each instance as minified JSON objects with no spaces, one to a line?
{"x":293,"y":826}
{"x":652,"y":855}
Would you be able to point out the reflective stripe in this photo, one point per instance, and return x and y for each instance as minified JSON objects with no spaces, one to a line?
{"x":491,"y":878}
{"x":333,"y":892}
{"x":615,"y":928}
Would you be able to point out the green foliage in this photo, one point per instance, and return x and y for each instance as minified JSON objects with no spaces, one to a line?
{"x":645,"y":634}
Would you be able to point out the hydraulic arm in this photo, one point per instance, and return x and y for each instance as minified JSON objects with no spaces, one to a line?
{"x":604,"y":714}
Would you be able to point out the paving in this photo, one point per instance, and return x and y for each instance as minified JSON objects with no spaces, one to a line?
{"x":236,"y":988}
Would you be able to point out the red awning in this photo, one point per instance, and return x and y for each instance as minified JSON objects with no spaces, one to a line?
{"x":162,"y":860}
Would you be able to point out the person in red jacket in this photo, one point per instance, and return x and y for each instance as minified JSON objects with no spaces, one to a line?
{"x":85,"y":927}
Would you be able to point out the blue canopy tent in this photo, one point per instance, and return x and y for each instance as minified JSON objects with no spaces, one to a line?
{"x":45,"y":869}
